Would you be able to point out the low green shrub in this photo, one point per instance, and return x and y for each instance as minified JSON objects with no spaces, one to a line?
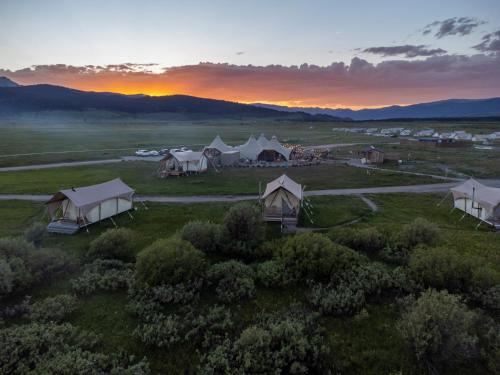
{"x":314,"y":256}
{"x":245,"y":229}
{"x":368,"y":240}
{"x":36,"y":233}
{"x":103,"y":274}
{"x":439,"y":330}
{"x":22,"y":264}
{"x":272,"y":273}
{"x":205,"y":236}
{"x":40,"y":348}
{"x":113,"y":244}
{"x":234,"y":280}
{"x":337,"y":300}
{"x":171,"y":261}
{"x":282,"y":343}
{"x":418,"y":232}
{"x":445,"y":268}
{"x":52,"y":309}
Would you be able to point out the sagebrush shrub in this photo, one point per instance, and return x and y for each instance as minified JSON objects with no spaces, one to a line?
{"x":205,"y":236}
{"x":170,"y":261}
{"x":114,"y":243}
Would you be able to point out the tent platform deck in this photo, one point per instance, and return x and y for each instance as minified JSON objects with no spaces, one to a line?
{"x":280,"y":218}
{"x":63,"y":226}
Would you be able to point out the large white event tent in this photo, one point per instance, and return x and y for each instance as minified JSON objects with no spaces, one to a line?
{"x":478,"y":200}
{"x":71,"y":209}
{"x":255,"y":149}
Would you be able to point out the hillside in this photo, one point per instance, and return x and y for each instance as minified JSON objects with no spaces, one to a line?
{"x":5,"y":82}
{"x":439,"y":109}
{"x":18,"y":100}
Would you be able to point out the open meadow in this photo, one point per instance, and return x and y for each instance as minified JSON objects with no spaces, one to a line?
{"x":341,"y":291}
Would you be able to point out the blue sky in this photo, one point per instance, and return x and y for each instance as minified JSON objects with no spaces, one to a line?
{"x":173,"y":33}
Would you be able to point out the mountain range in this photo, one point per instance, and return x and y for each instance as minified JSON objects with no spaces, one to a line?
{"x":451,"y":108}
{"x":17,"y":100}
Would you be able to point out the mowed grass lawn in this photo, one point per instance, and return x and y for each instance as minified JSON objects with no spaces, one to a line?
{"x":364,"y":346}
{"x":142,"y":177}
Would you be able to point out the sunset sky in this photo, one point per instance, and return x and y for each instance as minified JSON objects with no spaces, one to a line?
{"x":301,"y":53}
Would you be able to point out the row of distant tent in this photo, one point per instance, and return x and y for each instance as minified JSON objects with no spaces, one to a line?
{"x":252,"y":148}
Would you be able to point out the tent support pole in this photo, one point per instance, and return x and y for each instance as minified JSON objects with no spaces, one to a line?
{"x":144,"y":205}
{"x":442,"y":200}
{"x":462,"y":217}
{"x":477,"y":226}
{"x":452,"y":209}
{"x":129,"y":214}
{"x":110,"y":218}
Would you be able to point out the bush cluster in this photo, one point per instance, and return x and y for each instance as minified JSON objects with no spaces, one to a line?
{"x":234,"y":280}
{"x":245,"y":229}
{"x":40,"y":348}
{"x":103,"y":275}
{"x":22,"y":264}
{"x":314,"y":256}
{"x":187,"y":326}
{"x":348,"y":292}
{"x":205,"y":236}
{"x":170,"y":261}
{"x":418,"y":232}
{"x":285,"y":343}
{"x":367,"y":240}
{"x":445,"y":268}
{"x":439,"y":330}
{"x":272,"y":273}
{"x":35,"y":233}
{"x":52,"y":309}
{"x":114,"y":243}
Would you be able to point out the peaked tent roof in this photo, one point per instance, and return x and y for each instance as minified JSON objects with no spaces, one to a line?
{"x":219,"y":145}
{"x":286,"y":183}
{"x":251,"y":149}
{"x":264,"y":142}
{"x":278,"y":147}
{"x":487,"y":196}
{"x":88,"y":196}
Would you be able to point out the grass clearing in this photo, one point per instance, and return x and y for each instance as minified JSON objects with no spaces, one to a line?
{"x":141,"y":176}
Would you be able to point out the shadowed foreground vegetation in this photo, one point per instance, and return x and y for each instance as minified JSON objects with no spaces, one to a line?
{"x":353,"y":300}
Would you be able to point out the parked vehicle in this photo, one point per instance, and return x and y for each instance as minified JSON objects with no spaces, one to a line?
{"x":153,"y":153}
{"x":164,"y":151}
{"x":142,"y":152}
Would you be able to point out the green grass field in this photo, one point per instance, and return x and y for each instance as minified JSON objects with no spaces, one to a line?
{"x":141,"y":176}
{"x":369,"y":345}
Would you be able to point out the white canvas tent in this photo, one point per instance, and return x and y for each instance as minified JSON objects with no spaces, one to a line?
{"x":78,"y":207}
{"x":183,"y":162}
{"x":478,"y":200}
{"x":263,"y":149}
{"x":219,"y":145}
{"x":251,"y":149}
{"x":282,"y":198}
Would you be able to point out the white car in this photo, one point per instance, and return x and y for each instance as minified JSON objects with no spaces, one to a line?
{"x":153,"y":153}
{"x":184,"y":149}
{"x":142,"y":153}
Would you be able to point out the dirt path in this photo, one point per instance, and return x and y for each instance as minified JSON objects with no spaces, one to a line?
{"x":429,"y":188}
{"x":57,"y":165}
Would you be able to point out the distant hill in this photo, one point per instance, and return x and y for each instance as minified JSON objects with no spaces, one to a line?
{"x":22,"y":100}
{"x":451,"y":108}
{"x":5,"y":82}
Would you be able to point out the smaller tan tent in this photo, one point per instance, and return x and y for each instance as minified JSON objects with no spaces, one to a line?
{"x":71,"y":209}
{"x":282,"y":199}
{"x":182,"y":162}
{"x":478,"y":200}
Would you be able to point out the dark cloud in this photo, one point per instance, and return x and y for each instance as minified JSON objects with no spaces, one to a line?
{"x":406,"y":50}
{"x":490,"y":43}
{"x":453,"y":26}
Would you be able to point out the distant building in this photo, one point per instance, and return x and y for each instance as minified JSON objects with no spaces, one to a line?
{"x":372,"y":155}
{"x":425,"y":133}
